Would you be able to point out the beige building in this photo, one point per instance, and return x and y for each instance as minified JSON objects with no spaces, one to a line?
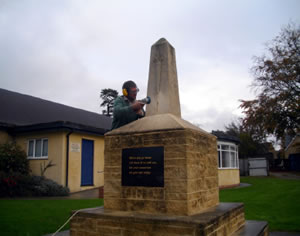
{"x":69,"y":138}
{"x":73,"y":141}
{"x":228,"y":160}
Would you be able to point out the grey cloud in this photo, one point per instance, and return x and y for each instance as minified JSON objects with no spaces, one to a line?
{"x":67,"y":51}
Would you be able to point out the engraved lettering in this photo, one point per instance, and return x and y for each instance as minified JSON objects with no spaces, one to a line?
{"x":143,"y":167}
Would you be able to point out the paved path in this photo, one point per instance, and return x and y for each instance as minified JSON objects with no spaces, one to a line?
{"x":284,"y":234}
{"x":285,"y":175}
{"x":87,"y":194}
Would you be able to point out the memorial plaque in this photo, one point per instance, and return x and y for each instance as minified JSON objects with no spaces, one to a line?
{"x":143,"y":167}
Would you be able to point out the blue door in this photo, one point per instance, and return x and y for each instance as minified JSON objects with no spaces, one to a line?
{"x":87,"y":162}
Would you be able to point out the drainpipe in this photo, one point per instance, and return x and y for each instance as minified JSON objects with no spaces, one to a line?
{"x":67,"y":157}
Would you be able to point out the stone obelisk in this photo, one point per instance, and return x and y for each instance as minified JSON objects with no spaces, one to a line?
{"x":163,"y":82}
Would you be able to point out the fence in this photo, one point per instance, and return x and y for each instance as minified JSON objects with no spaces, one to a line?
{"x":258,"y":166}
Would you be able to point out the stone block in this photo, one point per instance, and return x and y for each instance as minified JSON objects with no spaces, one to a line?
{"x":178,"y":186}
{"x":108,"y":230}
{"x":111,"y":203}
{"x":112,"y":195}
{"x":112,"y":185}
{"x":176,"y":196}
{"x":175,"y":162}
{"x":175,"y":172}
{"x":113,"y":172}
{"x":195,"y":185}
{"x":176,"y":207}
{"x":153,"y":193}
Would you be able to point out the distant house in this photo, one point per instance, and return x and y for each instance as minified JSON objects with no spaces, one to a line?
{"x":292,"y":153}
{"x":72,"y":139}
{"x":228,"y":159}
{"x":293,"y":146}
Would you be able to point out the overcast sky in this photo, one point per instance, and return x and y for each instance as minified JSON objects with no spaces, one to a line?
{"x":67,"y":51}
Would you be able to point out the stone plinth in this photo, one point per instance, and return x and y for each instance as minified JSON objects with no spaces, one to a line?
{"x":223,"y":219}
{"x":190,"y":167}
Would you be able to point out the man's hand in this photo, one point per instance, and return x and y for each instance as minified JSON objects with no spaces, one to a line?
{"x":137,"y":106}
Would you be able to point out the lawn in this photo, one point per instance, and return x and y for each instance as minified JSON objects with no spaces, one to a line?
{"x":271,"y":199}
{"x":38,"y":217}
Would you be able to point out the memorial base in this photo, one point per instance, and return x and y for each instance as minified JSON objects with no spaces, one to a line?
{"x":161,"y":178}
{"x":160,"y":165}
{"x":224,"y":219}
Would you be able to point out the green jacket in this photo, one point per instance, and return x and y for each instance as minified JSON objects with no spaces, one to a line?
{"x":123,"y":113}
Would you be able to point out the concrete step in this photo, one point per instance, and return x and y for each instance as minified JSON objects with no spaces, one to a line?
{"x":253,"y":228}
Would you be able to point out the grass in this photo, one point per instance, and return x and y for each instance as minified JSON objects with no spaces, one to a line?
{"x":38,"y":217}
{"x":269,"y":199}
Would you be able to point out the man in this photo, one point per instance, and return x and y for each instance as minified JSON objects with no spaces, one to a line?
{"x":126,"y":108}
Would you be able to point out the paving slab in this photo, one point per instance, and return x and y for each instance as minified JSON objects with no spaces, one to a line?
{"x":285,"y":175}
{"x":62,"y":233}
{"x":86,"y":194}
{"x":284,"y":234}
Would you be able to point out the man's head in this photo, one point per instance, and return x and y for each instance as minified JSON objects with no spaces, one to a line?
{"x":130,"y":90}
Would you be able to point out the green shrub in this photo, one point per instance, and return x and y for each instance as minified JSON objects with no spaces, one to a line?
{"x":15,"y":180}
{"x":47,"y":187}
{"x":13,"y":159}
{"x":29,"y":186}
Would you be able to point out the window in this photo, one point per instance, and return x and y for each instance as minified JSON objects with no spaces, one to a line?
{"x":228,"y":155}
{"x":37,"y":148}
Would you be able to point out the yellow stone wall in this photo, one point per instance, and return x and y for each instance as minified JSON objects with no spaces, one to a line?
{"x":228,"y":177}
{"x":4,"y":137}
{"x":56,"y":154}
{"x":57,"y":144}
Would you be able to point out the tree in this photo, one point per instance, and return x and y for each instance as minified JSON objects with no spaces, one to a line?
{"x":276,"y":109}
{"x":108,"y":96}
{"x":248,"y":147}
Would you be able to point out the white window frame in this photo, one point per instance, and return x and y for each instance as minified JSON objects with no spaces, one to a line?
{"x":235,"y":151}
{"x":42,"y":146}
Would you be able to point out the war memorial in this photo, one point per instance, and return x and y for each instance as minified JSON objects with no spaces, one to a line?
{"x":161,"y":172}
